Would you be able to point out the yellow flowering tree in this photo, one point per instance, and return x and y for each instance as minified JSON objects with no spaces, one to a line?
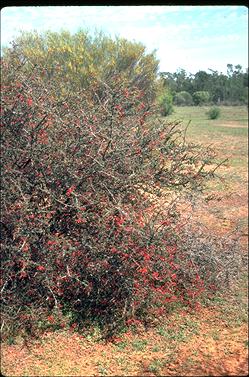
{"x":75,"y":60}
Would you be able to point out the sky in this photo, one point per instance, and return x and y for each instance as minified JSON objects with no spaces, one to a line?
{"x":185,"y":37}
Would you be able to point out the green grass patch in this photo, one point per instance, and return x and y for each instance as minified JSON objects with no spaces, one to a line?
{"x":173,"y":334}
{"x":235,"y":117}
{"x":139,"y":344}
{"x":229,"y":113}
{"x":156,"y":348}
{"x":122,"y":345}
{"x":228,"y":135}
{"x":156,"y":366}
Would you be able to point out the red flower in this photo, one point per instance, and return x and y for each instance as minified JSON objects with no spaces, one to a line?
{"x":80,"y":220}
{"x":128,"y":228}
{"x":146,"y":256}
{"x":119,"y":220}
{"x":41,"y":268}
{"x":126,"y":93}
{"x":133,"y":321}
{"x":50,"y":318}
{"x":170,"y":299}
{"x":29,"y":101}
{"x":155,"y":275}
{"x":51,"y":242}
{"x":73,"y":326}
{"x":25,"y":248}
{"x":143,"y":270}
{"x":173,"y":276}
{"x":117,"y":340}
{"x":70,"y":190}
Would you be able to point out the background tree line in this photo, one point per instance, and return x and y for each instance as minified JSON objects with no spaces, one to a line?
{"x":207,"y":87}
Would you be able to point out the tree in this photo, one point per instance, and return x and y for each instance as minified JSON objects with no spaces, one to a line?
{"x":168,"y":81}
{"x":236,"y":84}
{"x":201,"y":97}
{"x":228,"y":89}
{"x":183,"y":99}
{"x":184,"y":81}
{"x":178,"y":81}
{"x":229,"y":70}
{"x":74,"y":60}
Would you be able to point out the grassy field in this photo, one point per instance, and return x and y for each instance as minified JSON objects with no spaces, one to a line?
{"x":210,"y":342}
{"x":228,"y":135}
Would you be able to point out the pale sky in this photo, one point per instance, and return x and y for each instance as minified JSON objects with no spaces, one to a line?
{"x":190,"y":37}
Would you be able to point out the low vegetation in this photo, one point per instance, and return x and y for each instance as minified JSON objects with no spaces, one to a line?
{"x":213,"y":113}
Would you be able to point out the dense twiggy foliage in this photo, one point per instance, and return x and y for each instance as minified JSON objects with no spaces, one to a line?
{"x":83,"y":230}
{"x":78,"y":58}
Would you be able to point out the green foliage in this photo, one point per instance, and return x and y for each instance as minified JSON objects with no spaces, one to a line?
{"x":122,"y":345}
{"x":183,"y":99}
{"x":178,"y":81}
{"x":213,"y":113}
{"x":201,"y":81}
{"x":227,"y":89}
{"x":155,"y":366}
{"x":139,"y":344}
{"x":245,"y":95}
{"x":75,"y":60}
{"x":201,"y":98}
{"x":165,"y":102}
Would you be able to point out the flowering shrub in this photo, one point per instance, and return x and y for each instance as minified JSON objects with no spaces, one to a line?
{"x":81,"y":234}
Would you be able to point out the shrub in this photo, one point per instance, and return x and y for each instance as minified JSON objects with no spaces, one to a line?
{"x":201,"y":98}
{"x":85,"y":235}
{"x":165,"y":102}
{"x":183,"y":99}
{"x":76,"y":60}
{"x":213,"y":113}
